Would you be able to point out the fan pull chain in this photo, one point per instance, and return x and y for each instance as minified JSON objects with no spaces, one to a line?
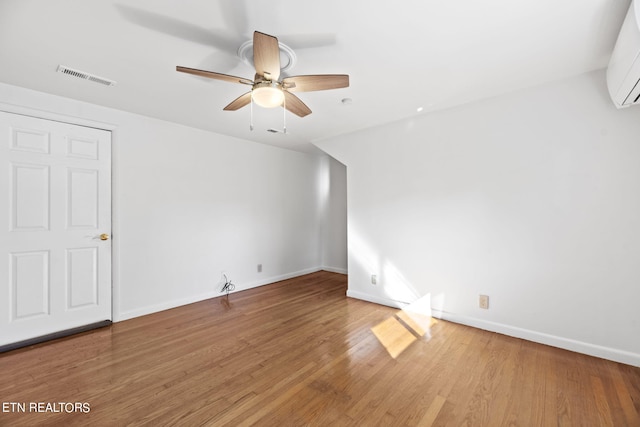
{"x":251,"y":114}
{"x":284,"y":115}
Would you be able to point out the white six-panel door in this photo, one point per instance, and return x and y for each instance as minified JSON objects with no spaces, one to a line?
{"x":55,"y":203}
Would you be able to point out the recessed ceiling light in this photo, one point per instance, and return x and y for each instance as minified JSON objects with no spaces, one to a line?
{"x":419,"y":109}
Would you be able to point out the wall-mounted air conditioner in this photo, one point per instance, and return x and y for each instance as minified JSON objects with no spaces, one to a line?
{"x":623,"y":74}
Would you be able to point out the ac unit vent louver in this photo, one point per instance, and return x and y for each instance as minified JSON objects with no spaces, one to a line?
{"x":86,"y":76}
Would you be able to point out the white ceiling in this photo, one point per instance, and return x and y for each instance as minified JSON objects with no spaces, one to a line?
{"x":400,"y":55}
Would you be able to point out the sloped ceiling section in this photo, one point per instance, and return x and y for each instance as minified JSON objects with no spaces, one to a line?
{"x":400,"y":56}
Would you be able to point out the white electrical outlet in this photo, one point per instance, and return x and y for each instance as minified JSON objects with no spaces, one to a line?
{"x":374,"y":279}
{"x":259,"y":268}
{"x":483,"y":301}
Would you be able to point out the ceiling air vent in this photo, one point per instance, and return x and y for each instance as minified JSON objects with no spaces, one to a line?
{"x":86,"y":76}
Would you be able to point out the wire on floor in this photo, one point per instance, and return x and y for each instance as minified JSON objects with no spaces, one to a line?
{"x":228,"y":286}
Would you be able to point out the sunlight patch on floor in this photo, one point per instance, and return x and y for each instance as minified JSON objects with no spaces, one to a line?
{"x":408,"y":325}
{"x":393,"y":336}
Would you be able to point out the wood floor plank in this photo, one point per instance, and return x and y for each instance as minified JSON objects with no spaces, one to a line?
{"x":625,"y":398}
{"x":432,"y":412}
{"x":299,"y":352}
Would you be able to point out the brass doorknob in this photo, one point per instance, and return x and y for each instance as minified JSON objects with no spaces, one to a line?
{"x":104,"y":236}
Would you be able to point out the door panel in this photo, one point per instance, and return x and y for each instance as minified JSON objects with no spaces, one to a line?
{"x":29,"y":197}
{"x":55,"y":202}
{"x":29,"y":278}
{"x":82,"y":196}
{"x":82,"y":277}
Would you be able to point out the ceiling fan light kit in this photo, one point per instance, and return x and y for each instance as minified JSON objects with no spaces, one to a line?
{"x":267,"y":94}
{"x":267,"y":89}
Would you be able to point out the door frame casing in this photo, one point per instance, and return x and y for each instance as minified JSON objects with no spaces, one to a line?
{"x":115,"y":246}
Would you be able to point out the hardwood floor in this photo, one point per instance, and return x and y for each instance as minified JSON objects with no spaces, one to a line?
{"x":298,"y":353}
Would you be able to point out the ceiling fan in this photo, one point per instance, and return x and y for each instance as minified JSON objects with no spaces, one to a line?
{"x":266,"y":88}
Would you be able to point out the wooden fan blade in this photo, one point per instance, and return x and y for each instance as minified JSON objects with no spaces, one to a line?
{"x":295,"y":105}
{"x":316,"y":82}
{"x":239,"y":102}
{"x":266,"y":55}
{"x":213,"y":75}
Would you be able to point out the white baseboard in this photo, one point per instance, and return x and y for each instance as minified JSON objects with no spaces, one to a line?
{"x":274,"y":279}
{"x":376,"y":299}
{"x":335,"y":269}
{"x":595,"y":350}
{"x":142,"y":311}
{"x":149,"y":309}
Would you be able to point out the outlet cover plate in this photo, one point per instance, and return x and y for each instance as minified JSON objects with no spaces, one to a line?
{"x":483,"y":302}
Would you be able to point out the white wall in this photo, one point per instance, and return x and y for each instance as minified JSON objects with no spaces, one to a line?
{"x":532,"y":198}
{"x":189,"y":204}
{"x":333,"y":203}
